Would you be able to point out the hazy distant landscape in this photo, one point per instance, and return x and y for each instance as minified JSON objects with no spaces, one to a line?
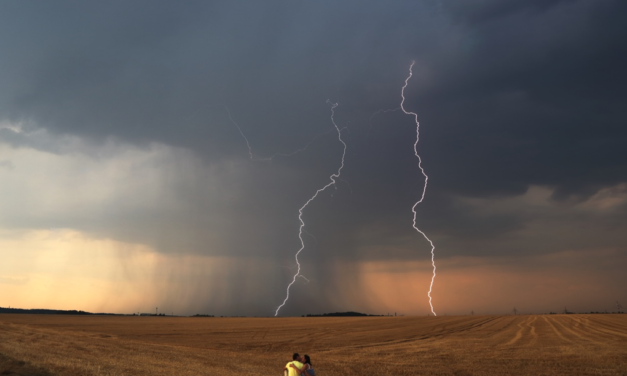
{"x":452,"y":345}
{"x":43,"y":311}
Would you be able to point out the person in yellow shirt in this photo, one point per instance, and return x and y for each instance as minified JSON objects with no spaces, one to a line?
{"x":296,"y":366}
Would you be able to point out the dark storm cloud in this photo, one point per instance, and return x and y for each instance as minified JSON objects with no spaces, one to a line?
{"x":510,"y":95}
{"x":522,"y":92}
{"x":480,"y":11}
{"x":540,"y":96}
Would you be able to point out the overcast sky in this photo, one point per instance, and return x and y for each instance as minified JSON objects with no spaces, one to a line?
{"x":125,"y":183}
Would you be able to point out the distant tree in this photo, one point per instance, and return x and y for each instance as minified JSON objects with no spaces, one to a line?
{"x":515,"y":311}
{"x":472,"y":313}
{"x":566,"y":311}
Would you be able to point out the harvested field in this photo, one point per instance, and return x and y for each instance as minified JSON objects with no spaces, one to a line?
{"x":452,"y":345}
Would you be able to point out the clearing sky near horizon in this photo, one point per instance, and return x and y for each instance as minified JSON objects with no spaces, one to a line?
{"x":125,"y":183}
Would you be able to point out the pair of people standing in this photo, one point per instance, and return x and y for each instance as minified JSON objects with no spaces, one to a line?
{"x":299,"y":366}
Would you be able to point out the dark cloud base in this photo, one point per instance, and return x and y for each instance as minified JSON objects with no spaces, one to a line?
{"x":511,"y":97}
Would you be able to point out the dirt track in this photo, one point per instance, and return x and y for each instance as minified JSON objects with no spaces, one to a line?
{"x":453,"y":345}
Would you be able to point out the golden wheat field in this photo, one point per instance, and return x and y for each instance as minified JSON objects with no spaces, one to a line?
{"x":451,"y":345}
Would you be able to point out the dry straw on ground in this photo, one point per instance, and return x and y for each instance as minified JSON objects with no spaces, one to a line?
{"x":463,"y":345}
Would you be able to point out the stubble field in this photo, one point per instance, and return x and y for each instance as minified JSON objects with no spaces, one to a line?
{"x":452,"y":345}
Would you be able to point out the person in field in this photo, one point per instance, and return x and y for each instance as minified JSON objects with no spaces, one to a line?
{"x":295,"y":367}
{"x":301,"y":365}
{"x":309,"y":370}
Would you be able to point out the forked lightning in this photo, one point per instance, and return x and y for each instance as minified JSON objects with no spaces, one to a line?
{"x":424,"y":190}
{"x":300,"y":211}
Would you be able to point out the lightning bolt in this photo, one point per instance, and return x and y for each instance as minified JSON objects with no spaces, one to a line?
{"x":333,"y":178}
{"x":375,"y":114}
{"x":424,"y":190}
{"x":384,"y":112}
{"x":270,"y":158}
{"x":302,"y":149}
{"x":305,"y":278}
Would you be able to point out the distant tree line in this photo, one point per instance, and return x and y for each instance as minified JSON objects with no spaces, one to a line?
{"x":41,"y":311}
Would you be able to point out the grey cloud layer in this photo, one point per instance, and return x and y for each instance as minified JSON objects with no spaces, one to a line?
{"x":509,"y":95}
{"x":539,"y":85}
